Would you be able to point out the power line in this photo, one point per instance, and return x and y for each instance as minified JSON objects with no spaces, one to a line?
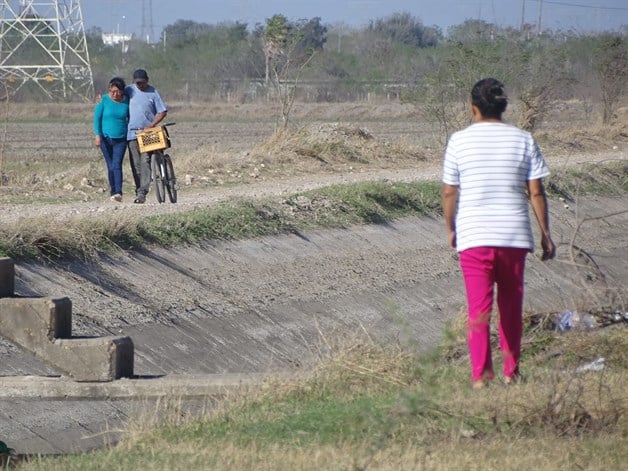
{"x":579,"y":5}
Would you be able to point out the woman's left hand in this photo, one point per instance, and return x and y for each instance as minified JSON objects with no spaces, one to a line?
{"x":549,"y":249}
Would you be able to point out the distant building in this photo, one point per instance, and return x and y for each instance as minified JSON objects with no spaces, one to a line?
{"x":113,"y":39}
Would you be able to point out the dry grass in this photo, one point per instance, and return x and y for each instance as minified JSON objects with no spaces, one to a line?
{"x":420,"y":413}
{"x":45,"y":111}
{"x":594,"y":138}
{"x":51,"y":151}
{"x":317,"y":148}
{"x":462,"y":453}
{"x":335,"y":144}
{"x":80,"y":236}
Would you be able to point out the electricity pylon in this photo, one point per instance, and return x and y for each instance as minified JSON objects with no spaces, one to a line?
{"x":43,"y":49}
{"x":147,"y":34}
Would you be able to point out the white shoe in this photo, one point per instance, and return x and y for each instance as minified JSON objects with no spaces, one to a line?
{"x":117,"y":197}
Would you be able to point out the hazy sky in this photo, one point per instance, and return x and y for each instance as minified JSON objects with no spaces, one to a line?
{"x":581,"y":15}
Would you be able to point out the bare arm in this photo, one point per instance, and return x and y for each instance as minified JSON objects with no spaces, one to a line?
{"x":538,"y":200}
{"x":159,"y":117}
{"x":98,"y":111}
{"x":449,"y":194}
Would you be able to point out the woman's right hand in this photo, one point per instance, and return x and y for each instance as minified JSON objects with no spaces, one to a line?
{"x":452,"y":239}
{"x":97,"y":141}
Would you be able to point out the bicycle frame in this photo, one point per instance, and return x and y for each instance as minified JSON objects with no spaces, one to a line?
{"x":162,"y":176}
{"x":161,"y":168}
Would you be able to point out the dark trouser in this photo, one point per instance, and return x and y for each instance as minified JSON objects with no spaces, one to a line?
{"x":113,"y":152}
{"x":140,"y":166}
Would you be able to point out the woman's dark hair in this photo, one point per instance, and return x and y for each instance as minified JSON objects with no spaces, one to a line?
{"x":118,"y":83}
{"x":489,"y":96}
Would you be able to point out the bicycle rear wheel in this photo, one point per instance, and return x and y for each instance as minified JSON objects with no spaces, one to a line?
{"x":171,"y":180}
{"x":157,"y":173}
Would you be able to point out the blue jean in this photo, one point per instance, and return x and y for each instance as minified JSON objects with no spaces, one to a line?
{"x":113,"y":150}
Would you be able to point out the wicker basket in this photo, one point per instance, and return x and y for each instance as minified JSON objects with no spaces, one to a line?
{"x":153,"y":139}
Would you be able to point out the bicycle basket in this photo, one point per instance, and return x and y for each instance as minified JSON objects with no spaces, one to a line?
{"x":153,"y":139}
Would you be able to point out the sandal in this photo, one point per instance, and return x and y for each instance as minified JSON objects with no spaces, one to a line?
{"x":514,"y":379}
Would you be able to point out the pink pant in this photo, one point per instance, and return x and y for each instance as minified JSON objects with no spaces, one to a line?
{"x":482,"y":268}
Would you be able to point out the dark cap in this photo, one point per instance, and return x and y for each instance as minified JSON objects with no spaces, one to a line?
{"x":140,"y":75}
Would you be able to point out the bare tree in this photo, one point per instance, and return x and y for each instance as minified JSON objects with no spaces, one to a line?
{"x":542,"y":76}
{"x":612,"y":69}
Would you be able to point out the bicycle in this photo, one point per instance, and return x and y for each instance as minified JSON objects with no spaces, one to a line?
{"x":155,"y":141}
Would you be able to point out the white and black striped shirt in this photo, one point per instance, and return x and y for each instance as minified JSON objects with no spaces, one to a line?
{"x":491,"y":164}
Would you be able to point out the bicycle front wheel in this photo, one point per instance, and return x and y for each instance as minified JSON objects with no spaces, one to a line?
{"x":157,"y":173}
{"x":171,"y":180}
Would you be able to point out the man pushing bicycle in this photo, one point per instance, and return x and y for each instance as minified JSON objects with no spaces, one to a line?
{"x":146,"y":110}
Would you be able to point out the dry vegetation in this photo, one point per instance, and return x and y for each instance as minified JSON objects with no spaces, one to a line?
{"x":404,"y":411}
{"x":368,"y":407}
{"x":46,"y":153}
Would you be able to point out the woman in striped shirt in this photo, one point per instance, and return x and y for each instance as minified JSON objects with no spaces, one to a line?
{"x":490,"y":172}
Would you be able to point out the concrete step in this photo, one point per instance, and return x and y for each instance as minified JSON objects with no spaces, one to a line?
{"x":168,"y":386}
{"x":34,"y":322}
{"x":93,"y":359}
{"x":43,"y":326}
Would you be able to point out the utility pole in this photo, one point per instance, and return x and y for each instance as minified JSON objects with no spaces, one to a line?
{"x":538,"y":24}
{"x":43,"y":49}
{"x":523,"y":14}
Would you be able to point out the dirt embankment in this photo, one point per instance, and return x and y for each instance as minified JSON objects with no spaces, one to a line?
{"x":269,"y":303}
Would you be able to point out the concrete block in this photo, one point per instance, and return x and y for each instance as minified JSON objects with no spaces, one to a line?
{"x":35,"y":322}
{"x":43,"y":326}
{"x":93,"y":359}
{"x":7,"y":277}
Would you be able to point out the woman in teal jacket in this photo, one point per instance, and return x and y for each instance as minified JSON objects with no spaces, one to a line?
{"x":111,"y":117}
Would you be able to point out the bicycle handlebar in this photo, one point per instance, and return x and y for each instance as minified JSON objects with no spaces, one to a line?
{"x":163,"y":125}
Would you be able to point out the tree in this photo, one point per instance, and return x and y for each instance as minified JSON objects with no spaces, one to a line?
{"x":542,"y":75}
{"x":183,"y":32}
{"x":313,"y":35}
{"x":471,"y":31}
{"x":274,"y":37}
{"x":406,"y":29}
{"x":443,"y":93}
{"x":288,"y":49}
{"x":612,"y":69}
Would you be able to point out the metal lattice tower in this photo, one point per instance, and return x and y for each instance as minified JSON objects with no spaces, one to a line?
{"x":147,"y":33}
{"x":43,"y":48}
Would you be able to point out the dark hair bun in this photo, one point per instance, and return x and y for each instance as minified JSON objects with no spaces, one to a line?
{"x":489,"y":96}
